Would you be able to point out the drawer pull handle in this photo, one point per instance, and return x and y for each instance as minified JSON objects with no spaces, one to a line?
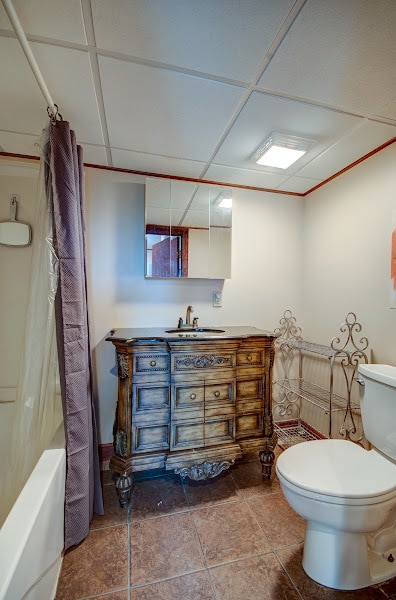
{"x":153,"y":363}
{"x":217,"y":394}
{"x":193,"y":396}
{"x":249,"y":357}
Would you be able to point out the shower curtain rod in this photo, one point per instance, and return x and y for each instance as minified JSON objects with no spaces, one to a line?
{"x":12,"y":15}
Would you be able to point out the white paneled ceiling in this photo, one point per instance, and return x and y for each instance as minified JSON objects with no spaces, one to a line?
{"x":192,"y":88}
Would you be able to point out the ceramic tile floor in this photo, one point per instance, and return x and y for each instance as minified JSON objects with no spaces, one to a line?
{"x":230,"y":538}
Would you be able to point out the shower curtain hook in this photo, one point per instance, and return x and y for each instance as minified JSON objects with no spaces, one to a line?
{"x":54,"y":116}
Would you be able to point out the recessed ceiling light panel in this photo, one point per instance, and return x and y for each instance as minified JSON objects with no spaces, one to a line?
{"x":223,"y":200}
{"x":281,"y":151}
{"x":225,"y":203}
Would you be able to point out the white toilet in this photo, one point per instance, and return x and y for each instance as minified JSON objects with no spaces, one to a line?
{"x":348,"y":494}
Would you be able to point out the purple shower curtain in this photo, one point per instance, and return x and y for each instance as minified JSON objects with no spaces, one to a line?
{"x":83,"y":489}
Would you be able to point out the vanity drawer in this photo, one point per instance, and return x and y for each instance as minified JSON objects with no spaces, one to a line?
{"x":187,"y":403}
{"x":187,"y":434}
{"x":249,"y":388}
{"x":147,"y":397}
{"x":253,"y":357}
{"x":249,"y":406}
{"x":188,"y":397}
{"x":202,"y":362}
{"x":151,"y":363}
{"x":200,"y":434}
{"x":219,"y":430}
{"x":249,"y":424}
{"x":219,"y":393}
{"x":150,"y":438}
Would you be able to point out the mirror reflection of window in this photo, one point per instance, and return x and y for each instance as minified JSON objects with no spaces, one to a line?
{"x":166,"y":251}
{"x":163,"y":256}
{"x":192,"y":224}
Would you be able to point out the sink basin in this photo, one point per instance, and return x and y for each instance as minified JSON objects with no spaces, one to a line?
{"x":182,"y":330}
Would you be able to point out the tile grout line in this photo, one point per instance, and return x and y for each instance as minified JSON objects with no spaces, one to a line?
{"x":272,"y":548}
{"x":167,"y":578}
{"x":188,"y":510}
{"x":257,"y":523}
{"x":129,"y":561}
{"x":215,"y":597}
{"x":240,"y":499}
{"x":288,"y":574}
{"x":102,"y":594}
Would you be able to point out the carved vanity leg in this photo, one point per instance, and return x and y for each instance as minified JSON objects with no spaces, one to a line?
{"x":123,"y":485}
{"x":123,"y":478}
{"x":267,"y":456}
{"x":121,"y":461}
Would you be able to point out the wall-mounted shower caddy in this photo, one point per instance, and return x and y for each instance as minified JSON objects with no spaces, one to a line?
{"x":344,"y":355}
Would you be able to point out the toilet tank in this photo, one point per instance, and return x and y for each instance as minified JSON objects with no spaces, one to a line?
{"x":378,"y":406}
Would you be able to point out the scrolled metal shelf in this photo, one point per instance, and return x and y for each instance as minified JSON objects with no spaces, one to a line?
{"x":315,"y":348}
{"x":315,"y":394}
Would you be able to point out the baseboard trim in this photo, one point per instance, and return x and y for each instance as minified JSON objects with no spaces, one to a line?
{"x":106,"y":451}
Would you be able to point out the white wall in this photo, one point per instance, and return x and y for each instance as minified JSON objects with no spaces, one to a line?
{"x":266,"y":268}
{"x":346,"y":260}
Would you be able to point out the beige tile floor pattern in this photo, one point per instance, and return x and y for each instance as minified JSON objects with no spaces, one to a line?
{"x":230,"y":538}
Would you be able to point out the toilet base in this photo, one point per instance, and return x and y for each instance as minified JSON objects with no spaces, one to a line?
{"x":342,"y":560}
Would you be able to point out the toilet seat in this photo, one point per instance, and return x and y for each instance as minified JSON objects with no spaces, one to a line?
{"x":338,"y":472}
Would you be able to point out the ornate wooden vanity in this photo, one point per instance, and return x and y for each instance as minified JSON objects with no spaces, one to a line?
{"x":191,"y":402}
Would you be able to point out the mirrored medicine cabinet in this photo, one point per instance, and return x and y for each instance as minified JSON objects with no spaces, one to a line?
{"x":187,"y":229}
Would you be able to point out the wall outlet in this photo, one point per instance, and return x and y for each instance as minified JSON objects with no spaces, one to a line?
{"x":217,"y":298}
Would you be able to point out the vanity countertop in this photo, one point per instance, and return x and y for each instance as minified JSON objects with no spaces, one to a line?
{"x":162,"y":333}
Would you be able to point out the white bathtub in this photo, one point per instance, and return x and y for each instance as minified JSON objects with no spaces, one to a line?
{"x":32,"y":537}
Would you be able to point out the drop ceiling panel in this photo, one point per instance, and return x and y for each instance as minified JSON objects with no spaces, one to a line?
{"x":227,"y":38}
{"x":200,"y":201}
{"x":158,"y":216}
{"x":388,"y":110}
{"x":175,"y":92}
{"x":18,"y":143}
{"x":244,"y":176}
{"x":348,"y":149}
{"x":57,"y":19}
{"x":69,"y":79}
{"x":263,"y":114}
{"x":163,"y":112}
{"x":196,"y":219}
{"x":334,"y":54}
{"x":187,"y":193}
{"x":299,"y":184}
{"x":151,"y":163}
{"x":22,"y":109}
{"x":95,"y":155}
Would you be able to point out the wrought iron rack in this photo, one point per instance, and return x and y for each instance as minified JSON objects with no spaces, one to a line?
{"x":346,"y":354}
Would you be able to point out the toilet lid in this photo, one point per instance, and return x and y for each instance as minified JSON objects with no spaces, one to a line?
{"x":337,"y":468}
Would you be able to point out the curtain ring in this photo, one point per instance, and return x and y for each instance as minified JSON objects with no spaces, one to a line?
{"x":54,"y":117}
